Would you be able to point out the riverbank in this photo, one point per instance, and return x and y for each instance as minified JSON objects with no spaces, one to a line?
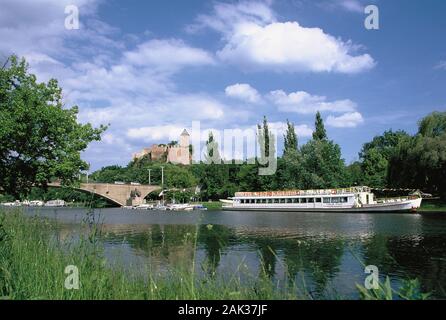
{"x":33,"y":261}
{"x":212,"y":205}
{"x":432,"y":206}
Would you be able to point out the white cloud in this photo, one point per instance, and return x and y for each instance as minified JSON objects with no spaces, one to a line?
{"x":352,"y":5}
{"x":226,"y":16}
{"x":156,"y":133}
{"x":441,"y":65}
{"x":254,"y":40}
{"x":305,"y":103}
{"x":302,"y":130}
{"x":290,"y":47}
{"x":244,"y":92}
{"x":168,"y":54}
{"x":347,"y":120}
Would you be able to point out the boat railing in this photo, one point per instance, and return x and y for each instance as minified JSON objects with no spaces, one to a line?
{"x":396,"y":199}
{"x":303,"y":192}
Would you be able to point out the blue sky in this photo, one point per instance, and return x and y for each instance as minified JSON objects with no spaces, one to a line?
{"x":150,"y":68}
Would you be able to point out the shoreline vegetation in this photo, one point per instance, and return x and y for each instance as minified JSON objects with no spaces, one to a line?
{"x":427,"y":206}
{"x":33,"y":261}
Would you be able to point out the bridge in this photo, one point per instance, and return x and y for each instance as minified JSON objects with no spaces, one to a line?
{"x":119,"y":194}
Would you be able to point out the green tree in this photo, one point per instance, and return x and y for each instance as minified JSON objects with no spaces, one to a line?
{"x":267,"y":160}
{"x":319,"y":132}
{"x":355,"y":175}
{"x":375,"y":157}
{"x":290,"y":139}
{"x":212,"y":155}
{"x":419,"y":162}
{"x":40,"y":139}
{"x":322,"y":164}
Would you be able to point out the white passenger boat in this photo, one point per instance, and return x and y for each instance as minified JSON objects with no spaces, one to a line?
{"x":354,"y":199}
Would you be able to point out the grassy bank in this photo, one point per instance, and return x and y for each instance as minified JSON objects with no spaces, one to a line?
{"x":33,"y":261}
{"x":214,"y":205}
{"x":433,"y":206}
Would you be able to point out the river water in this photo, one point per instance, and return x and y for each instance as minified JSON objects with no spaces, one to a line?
{"x":326,"y":251}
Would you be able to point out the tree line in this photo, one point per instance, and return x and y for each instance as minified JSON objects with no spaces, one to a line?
{"x":41,"y":140}
{"x":394,"y":159}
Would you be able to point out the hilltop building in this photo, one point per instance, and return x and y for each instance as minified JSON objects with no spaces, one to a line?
{"x":176,"y":154}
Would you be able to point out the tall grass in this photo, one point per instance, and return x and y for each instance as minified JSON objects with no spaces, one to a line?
{"x":33,"y":261}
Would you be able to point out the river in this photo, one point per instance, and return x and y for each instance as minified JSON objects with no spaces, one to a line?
{"x":326,"y":251}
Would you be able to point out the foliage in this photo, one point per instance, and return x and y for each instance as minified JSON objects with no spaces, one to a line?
{"x":420,"y":161}
{"x":40,"y":139}
{"x":212,"y":155}
{"x":322,"y":164}
{"x":27,"y":244}
{"x":319,"y":131}
{"x":290,"y":139}
{"x":375,"y":157}
{"x":393,"y":159}
{"x":409,"y":290}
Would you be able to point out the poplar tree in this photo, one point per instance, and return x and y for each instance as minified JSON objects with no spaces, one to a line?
{"x":290,"y":139}
{"x":319,"y":132}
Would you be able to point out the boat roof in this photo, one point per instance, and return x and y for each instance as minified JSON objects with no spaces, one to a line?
{"x":292,"y":193}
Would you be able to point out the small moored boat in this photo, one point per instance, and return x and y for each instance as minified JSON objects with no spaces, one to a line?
{"x":354,"y":199}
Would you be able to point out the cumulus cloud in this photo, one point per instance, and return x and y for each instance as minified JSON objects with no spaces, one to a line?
{"x":244,"y":92}
{"x":304,"y":103}
{"x":290,"y":47}
{"x":347,"y":120}
{"x":254,"y":40}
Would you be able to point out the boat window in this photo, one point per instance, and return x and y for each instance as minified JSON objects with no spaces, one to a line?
{"x":242,"y":201}
{"x":294,"y":200}
{"x":344,"y":199}
{"x":288,"y":200}
{"x":327,"y":200}
{"x":335,"y":200}
{"x":282,"y":200}
{"x":310,"y":200}
{"x":318,"y":200}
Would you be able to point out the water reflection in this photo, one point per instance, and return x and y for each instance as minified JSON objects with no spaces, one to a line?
{"x":327,"y":253}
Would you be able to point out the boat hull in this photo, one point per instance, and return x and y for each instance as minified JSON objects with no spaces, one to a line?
{"x":401,"y":206}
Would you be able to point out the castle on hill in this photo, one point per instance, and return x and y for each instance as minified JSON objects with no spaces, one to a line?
{"x":173,"y":153}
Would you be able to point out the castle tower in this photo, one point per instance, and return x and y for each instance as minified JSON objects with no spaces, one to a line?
{"x":180,"y":154}
{"x":185,"y":139}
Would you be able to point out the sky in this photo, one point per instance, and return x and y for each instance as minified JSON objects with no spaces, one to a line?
{"x":149,"y":69}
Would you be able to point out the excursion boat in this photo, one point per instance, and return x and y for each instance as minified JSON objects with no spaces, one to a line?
{"x":354,"y":199}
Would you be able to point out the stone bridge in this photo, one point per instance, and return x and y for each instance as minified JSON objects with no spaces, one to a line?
{"x":120,"y":194}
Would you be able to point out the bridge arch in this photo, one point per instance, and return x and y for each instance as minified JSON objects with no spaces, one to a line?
{"x":116,"y":193}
